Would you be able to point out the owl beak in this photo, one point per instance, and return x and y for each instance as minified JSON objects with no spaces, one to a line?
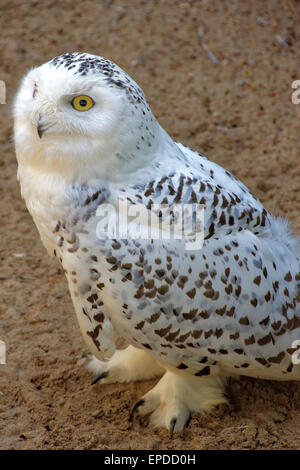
{"x":42,"y":126}
{"x":40,"y":130}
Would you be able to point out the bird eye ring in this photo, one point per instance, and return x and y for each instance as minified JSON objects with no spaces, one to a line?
{"x":82,"y":103}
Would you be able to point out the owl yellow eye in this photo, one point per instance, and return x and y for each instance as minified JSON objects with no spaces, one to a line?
{"x":82,"y":103}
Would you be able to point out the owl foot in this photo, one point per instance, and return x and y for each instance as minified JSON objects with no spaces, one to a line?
{"x":130,"y":364}
{"x":170,"y":403}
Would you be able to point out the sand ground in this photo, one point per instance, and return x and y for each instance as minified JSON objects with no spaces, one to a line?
{"x":235,"y":107}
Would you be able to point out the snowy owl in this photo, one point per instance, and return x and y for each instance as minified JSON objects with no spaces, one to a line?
{"x":86,"y":139}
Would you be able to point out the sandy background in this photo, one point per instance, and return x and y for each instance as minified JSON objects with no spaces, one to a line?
{"x":235,"y":107}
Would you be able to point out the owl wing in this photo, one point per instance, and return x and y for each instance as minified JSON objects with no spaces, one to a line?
{"x":235,"y":301}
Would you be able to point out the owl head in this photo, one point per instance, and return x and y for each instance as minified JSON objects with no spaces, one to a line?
{"x":80,"y":113}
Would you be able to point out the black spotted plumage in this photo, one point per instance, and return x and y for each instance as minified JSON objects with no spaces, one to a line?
{"x":229,"y":306}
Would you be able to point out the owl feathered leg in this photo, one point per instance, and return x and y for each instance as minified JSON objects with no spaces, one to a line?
{"x":176,"y":396}
{"x":130,"y":364}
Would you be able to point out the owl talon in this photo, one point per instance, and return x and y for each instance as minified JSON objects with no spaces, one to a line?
{"x":188,"y":421}
{"x":134,"y":408}
{"x":99,"y":377}
{"x":172,"y":427}
{"x":86,"y":353}
{"x":173,"y":410}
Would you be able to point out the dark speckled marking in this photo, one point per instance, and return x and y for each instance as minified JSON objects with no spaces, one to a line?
{"x":83,"y":64}
{"x":205,"y":320}
{"x":204,"y":371}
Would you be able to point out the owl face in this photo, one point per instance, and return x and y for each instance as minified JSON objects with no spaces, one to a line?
{"x":80,"y":109}
{"x":57,"y":102}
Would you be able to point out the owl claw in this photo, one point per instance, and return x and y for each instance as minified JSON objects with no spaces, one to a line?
{"x":172,"y":427}
{"x":173,"y":410}
{"x":135,"y":407}
{"x":86,"y":353}
{"x":99,"y":377}
{"x":188,"y":421}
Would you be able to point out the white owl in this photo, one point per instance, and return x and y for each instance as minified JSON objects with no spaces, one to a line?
{"x":85,"y":140}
